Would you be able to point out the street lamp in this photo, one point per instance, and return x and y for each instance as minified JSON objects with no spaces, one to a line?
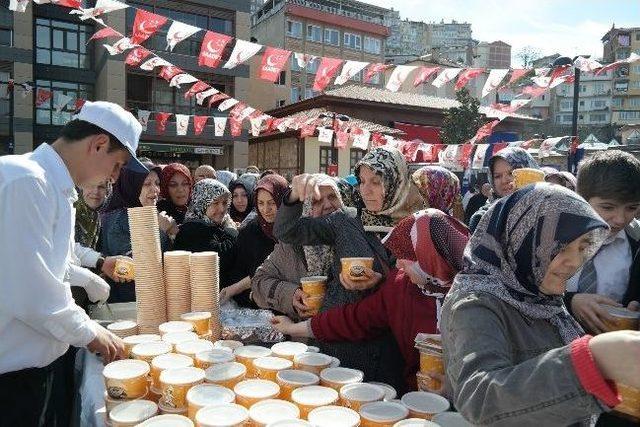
{"x":563,"y":61}
{"x":334,"y":117}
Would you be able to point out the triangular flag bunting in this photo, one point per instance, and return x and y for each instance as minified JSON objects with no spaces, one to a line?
{"x":182,"y":124}
{"x":104,"y":33}
{"x":145,"y":25}
{"x":220,"y":124}
{"x":143,"y":118}
{"x":424,"y":74}
{"x":182,"y":79}
{"x":136,"y":56}
{"x":161,"y":121}
{"x":466,"y":76}
{"x":327,"y":69}
{"x":273,"y":61}
{"x":446,"y":76}
{"x":493,"y":81}
{"x":198,"y":87}
{"x":242,"y":51}
{"x":154,"y":62}
{"x":349,"y":70}
{"x":119,"y":46}
{"x":212,"y":48}
{"x":179,"y":31}
{"x":398,"y":76}
{"x":199,"y":123}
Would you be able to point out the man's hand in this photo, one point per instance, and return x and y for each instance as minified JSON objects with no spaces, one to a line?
{"x":371,"y":280}
{"x":588,"y":310}
{"x":109,"y":268}
{"x":282,"y":324}
{"x":108,"y":345}
{"x":303,"y":186}
{"x":303,"y":310}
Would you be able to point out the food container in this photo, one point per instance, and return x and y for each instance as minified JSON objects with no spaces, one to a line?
{"x":123,"y":328}
{"x":355,"y":395}
{"x":148,"y":350}
{"x":288,"y":349}
{"x":312,"y":349}
{"x":247,"y":354}
{"x":208,"y":358}
{"x":199,"y":319}
{"x":525,"y":176}
{"x":167,"y":361}
{"x":312,"y":362}
{"x":424,"y":405}
{"x":291,"y":379}
{"x":249,"y":392}
{"x":230,"y":344}
{"x":314,"y":285}
{"x":271,"y":410}
{"x":175,"y":326}
{"x":630,"y":401}
{"x":291,"y":423}
{"x":624,"y":319}
{"x":175,"y":338}
{"x":313,"y":396}
{"x":167,"y":421}
{"x":267,"y":368}
{"x":431,"y":360}
{"x":124,"y":269}
{"x":111,"y":403}
{"x":203,"y":395}
{"x":338,"y":377}
{"x":451,"y":419}
{"x":154,"y":394}
{"x":334,"y":416}
{"x":335,"y":363}
{"x":132,"y":413}
{"x":226,"y":374}
{"x":191,"y":348}
{"x":313,"y":303}
{"x":126,"y":379}
{"x":354,"y":267}
{"x":164,"y":409}
{"x":416,"y":422}
{"x":382,"y":414}
{"x":175,"y":384}
{"x":223,"y":415}
{"x":389,"y":392}
{"x":132,"y":340}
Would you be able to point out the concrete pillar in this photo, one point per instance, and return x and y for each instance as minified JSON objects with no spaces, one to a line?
{"x":111,"y":73}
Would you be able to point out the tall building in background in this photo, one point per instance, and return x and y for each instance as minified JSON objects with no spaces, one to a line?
{"x":407,"y":39}
{"x":492,"y":55}
{"x":452,"y":40}
{"x":594,"y":103}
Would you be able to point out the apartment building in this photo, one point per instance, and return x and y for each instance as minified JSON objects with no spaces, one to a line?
{"x":619,"y":43}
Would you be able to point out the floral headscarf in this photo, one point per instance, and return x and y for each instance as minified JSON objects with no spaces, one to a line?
{"x":277,"y":186}
{"x":204,"y":193}
{"x":439,"y":187}
{"x":567,"y":178}
{"x":517,"y":157}
{"x":516,"y":240}
{"x":167,"y":173}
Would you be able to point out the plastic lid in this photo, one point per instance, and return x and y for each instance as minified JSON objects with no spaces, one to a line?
{"x":134,"y":411}
{"x":230,"y":344}
{"x":167,"y":420}
{"x":257,"y":389}
{"x":126,"y":369}
{"x":217,"y":355}
{"x":178,"y":337}
{"x":451,"y":419}
{"x":226,"y":414}
{"x":182,"y":375}
{"x":302,"y":378}
{"x":122,"y":325}
{"x":334,"y":416}
{"x":289,"y":348}
{"x":196,"y":315}
{"x":342,"y":375}
{"x":272,"y":363}
{"x":362,"y":392}
{"x":335,"y":363}
{"x":389,"y":392}
{"x":415,"y":422}
{"x":252,"y":351}
{"x":313,"y":359}
{"x":425,"y":403}
{"x":384,"y":412}
{"x":175,"y":326}
{"x":271,"y":410}
{"x":209,"y":394}
{"x":290,"y":423}
{"x":171,"y":361}
{"x":313,"y":279}
{"x":151,"y":349}
{"x":313,"y":349}
{"x":137,"y":339}
{"x":622,"y":312}
{"x":194,"y":347}
{"x":314,"y":395}
{"x":225,"y":371}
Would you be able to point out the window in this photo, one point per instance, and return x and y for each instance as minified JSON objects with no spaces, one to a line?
{"x":62,"y":43}
{"x":581,"y":103}
{"x":294,"y":29}
{"x":354,"y":157}
{"x":597,"y":117}
{"x":566,"y":105}
{"x":281,"y":103}
{"x":328,"y":156}
{"x":46,"y":113}
{"x":598,"y":103}
{"x":309,"y":93}
{"x":633,"y":101}
{"x":583,"y":88}
{"x":372,"y":45}
{"x":635,"y":69}
{"x":638,"y":36}
{"x":616,"y":102}
{"x":332,"y":36}
{"x":295,"y":94}
{"x":314,"y":33}
{"x":598,"y":87}
{"x":629,"y":115}
{"x":352,"y":41}
{"x":312,"y":66}
{"x":282,"y":78}
{"x":6,"y":37}
{"x":634,"y":85}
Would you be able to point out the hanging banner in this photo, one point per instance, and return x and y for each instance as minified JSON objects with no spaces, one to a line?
{"x":466,"y":76}
{"x":446,"y":76}
{"x":143,"y":118}
{"x":119,"y":46}
{"x":493,"y":81}
{"x":424,"y":74}
{"x":136,"y":56}
{"x":303,"y":59}
{"x":200,"y":97}
{"x":377,"y":139}
{"x":179,"y":31}
{"x":307,"y":130}
{"x":154,"y":62}
{"x":360,"y":138}
{"x":349,"y":70}
{"x":217,"y":97}
{"x":517,"y":74}
{"x":632,"y":58}
{"x":104,"y":33}
{"x":182,"y":79}
{"x":273,"y":61}
{"x":479,"y":156}
{"x":79,"y":103}
{"x":226,"y":104}
{"x":199,"y":86}
{"x":18,"y":5}
{"x":342,"y":138}
{"x":67,"y":3}
{"x":212,"y":49}
{"x":220,"y":123}
{"x":61,"y":102}
{"x":256,"y":125}
{"x":161,"y":121}
{"x":42,"y":96}
{"x":242,"y":51}
{"x":325,"y":134}
{"x":145,"y":25}
{"x":484,"y":131}
{"x":398,"y":76}
{"x":327,"y":69}
{"x":199,"y":123}
{"x":465,"y":155}
{"x":101,"y":7}
{"x":587,"y":65}
{"x":169,"y":72}
{"x":182,"y":124}
{"x":373,"y":70}
{"x":449,"y":156}
{"x":235,"y":126}
{"x":533,"y":91}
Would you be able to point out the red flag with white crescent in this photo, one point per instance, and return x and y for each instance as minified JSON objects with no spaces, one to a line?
{"x":484,"y":131}
{"x":168,"y":72}
{"x":145,"y":25}
{"x":378,"y":139}
{"x":517,"y":74}
{"x":307,"y":130}
{"x":198,"y":87}
{"x":373,"y":70}
{"x":161,"y":121}
{"x":136,"y":56}
{"x":42,"y":96}
{"x":342,"y":138}
{"x":273,"y":61}
{"x":79,"y":103}
{"x":212,"y":49}
{"x":104,"y":33}
{"x":327,"y":69}
{"x":424,"y":74}
{"x":217,"y":97}
{"x":466,"y":76}
{"x":199,"y":123}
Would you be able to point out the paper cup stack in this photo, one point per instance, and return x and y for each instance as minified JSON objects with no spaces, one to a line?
{"x":123,"y":328}
{"x":147,"y":259}
{"x":205,"y":288}
{"x":178,"y":288}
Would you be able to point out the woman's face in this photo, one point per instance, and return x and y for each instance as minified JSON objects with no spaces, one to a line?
{"x":150,"y":190}
{"x":240,"y":199}
{"x":94,"y":195}
{"x":565,"y":265}
{"x":217,"y":210}
{"x":371,"y":189}
{"x":503,"y":182}
{"x":327,"y":203}
{"x":179,"y":188}
{"x":267,"y":206}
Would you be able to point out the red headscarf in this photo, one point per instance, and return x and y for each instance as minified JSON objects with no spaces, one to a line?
{"x":277,"y":186}
{"x":167,"y":173}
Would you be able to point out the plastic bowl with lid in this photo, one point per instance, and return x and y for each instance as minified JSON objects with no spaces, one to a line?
{"x":223,"y":415}
{"x":230,"y":344}
{"x":126,"y":379}
{"x":390,"y":393}
{"x":355,"y":395}
{"x":167,"y":421}
{"x":148,"y":350}
{"x":203,"y":395}
{"x":382,"y":414}
{"x":216,"y":356}
{"x":424,"y":405}
{"x":450,"y":419}
{"x":175,"y":384}
{"x":291,"y":423}
{"x":291,"y":379}
{"x":250,"y":392}
{"x":226,"y":374}
{"x":334,"y":416}
{"x":132,"y":413}
{"x":312,"y":362}
{"x":338,"y":377}
{"x":167,"y":361}
{"x":416,"y":422}
{"x":132,"y":340}
{"x":199,"y":319}
{"x":267,"y":368}
{"x":271,"y":410}
{"x":164,"y":409}
{"x":313,"y":396}
{"x":174,"y":338}
{"x":175,"y":326}
{"x":191,"y":348}
{"x":289,"y":349}
{"x":248,"y":353}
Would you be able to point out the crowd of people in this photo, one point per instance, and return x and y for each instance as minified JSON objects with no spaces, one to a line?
{"x":517,"y":281}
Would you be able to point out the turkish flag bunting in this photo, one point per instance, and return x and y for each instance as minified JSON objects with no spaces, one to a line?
{"x":242,"y":51}
{"x":484,"y":131}
{"x":154,"y":62}
{"x":493,"y":81}
{"x":307,"y":130}
{"x":517,"y":74}
{"x":179,"y":31}
{"x":182,"y":124}
{"x":480,"y":156}
{"x":220,"y":124}
{"x":198,"y":87}
{"x":120,"y":46}
{"x":374,"y":69}
{"x":466,"y":76}
{"x":79,"y":103}
{"x":201,"y":96}
{"x":235,"y":119}
{"x":446,"y":76}
{"x":217,"y":97}
{"x":136,"y":56}
{"x":67,"y":3}
{"x":533,"y":91}
{"x":327,"y":69}
{"x":19,"y":5}
{"x":398,"y":76}
{"x":465,"y":155}
{"x":212,"y":48}
{"x":169,"y":72}
{"x":349,"y":70}
{"x":437,"y":148}
{"x":42,"y":96}
{"x":199,"y":123}
{"x":378,"y":139}
{"x":424,"y":74}
{"x":342,"y":138}
{"x":588,"y":65}
{"x":273,"y":62}
{"x":161,"y":121}
{"x":145,"y":25}
{"x":104,"y":33}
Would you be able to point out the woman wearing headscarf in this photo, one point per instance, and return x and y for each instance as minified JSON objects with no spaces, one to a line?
{"x":513,"y":354}
{"x":225,"y":176}
{"x":175,"y":185}
{"x":242,"y":194}
{"x":429,"y":246}
{"x":564,"y":178}
{"x":207,"y":225}
{"x":440,"y":189}
{"x":501,"y":167}
{"x":255,"y":240}
{"x":131,"y":190}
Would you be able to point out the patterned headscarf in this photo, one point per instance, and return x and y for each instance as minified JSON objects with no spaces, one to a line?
{"x":516,"y":240}
{"x":204,"y":193}
{"x":517,"y":157}
{"x":88,"y":222}
{"x":167,"y":173}
{"x":225,"y":177}
{"x":567,"y":178}
{"x":248,"y":182}
{"x":439,"y":187}
{"x":277,"y":186}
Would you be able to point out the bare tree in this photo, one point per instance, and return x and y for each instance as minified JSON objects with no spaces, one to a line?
{"x":527,"y":55}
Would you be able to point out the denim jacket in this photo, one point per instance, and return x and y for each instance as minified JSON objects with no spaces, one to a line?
{"x":509,"y":370}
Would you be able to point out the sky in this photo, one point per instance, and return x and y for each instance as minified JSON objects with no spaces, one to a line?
{"x":568,"y":27}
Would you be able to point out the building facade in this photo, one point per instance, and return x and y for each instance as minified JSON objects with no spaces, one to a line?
{"x":492,"y":55}
{"x":407,"y":39}
{"x":594,"y":101}
{"x":452,"y":40}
